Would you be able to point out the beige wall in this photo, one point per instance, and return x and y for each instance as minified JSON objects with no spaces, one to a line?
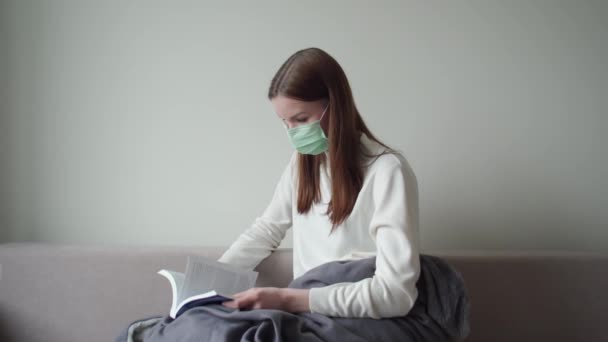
{"x":146,"y":122}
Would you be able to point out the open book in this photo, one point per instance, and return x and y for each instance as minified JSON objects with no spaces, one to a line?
{"x":206,"y":281}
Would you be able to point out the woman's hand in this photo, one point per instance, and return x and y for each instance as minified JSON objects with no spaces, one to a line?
{"x":285,"y":299}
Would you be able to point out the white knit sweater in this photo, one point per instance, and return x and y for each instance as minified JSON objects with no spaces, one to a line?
{"x":384,"y":222}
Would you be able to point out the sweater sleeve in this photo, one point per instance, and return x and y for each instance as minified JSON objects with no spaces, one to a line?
{"x":391,"y":291}
{"x":267,"y":230}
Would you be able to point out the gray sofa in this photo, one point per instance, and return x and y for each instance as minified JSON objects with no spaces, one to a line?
{"x":51,"y":292}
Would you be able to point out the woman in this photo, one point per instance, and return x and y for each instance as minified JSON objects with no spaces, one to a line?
{"x":346,"y":196}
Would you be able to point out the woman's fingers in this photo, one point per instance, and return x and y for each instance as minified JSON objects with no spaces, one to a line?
{"x":249,"y":299}
{"x":230,"y":304}
{"x":239,"y":294}
{"x":246,"y":301}
{"x":240,"y":300}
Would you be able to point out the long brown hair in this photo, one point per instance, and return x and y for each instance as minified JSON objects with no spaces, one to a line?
{"x":310,"y":75}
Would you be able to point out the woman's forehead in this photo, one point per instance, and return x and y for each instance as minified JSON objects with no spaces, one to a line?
{"x":286,"y":107}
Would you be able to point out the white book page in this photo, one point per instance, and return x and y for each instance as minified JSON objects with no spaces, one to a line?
{"x":204,"y":275}
{"x":176,"y":279}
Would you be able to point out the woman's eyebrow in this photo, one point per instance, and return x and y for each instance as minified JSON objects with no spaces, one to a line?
{"x":293,"y":116}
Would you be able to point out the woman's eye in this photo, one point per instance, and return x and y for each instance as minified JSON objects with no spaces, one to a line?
{"x":301,"y":120}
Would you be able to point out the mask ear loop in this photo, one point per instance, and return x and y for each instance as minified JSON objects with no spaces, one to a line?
{"x":322,"y":115}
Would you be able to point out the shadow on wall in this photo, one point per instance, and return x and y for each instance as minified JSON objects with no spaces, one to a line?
{"x":4,"y":130}
{"x":4,"y":145}
{"x":4,"y":165}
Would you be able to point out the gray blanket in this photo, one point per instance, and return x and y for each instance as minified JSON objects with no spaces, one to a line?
{"x":441,"y":313}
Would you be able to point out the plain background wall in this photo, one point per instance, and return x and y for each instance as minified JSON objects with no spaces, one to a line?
{"x":146,"y":122}
{"x":4,"y":126}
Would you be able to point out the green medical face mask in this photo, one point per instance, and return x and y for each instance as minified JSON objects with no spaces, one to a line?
{"x":309,"y":138}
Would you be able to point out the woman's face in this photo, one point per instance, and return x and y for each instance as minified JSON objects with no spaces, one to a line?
{"x":295,"y":112}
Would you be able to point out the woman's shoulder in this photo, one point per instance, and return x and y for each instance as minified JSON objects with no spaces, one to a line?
{"x":386,"y":160}
{"x":389,"y":160}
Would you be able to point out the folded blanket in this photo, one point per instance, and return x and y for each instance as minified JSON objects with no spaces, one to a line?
{"x":440,"y":313}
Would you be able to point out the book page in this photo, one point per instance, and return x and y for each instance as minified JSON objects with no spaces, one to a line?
{"x":176,"y":279}
{"x":204,"y":275}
